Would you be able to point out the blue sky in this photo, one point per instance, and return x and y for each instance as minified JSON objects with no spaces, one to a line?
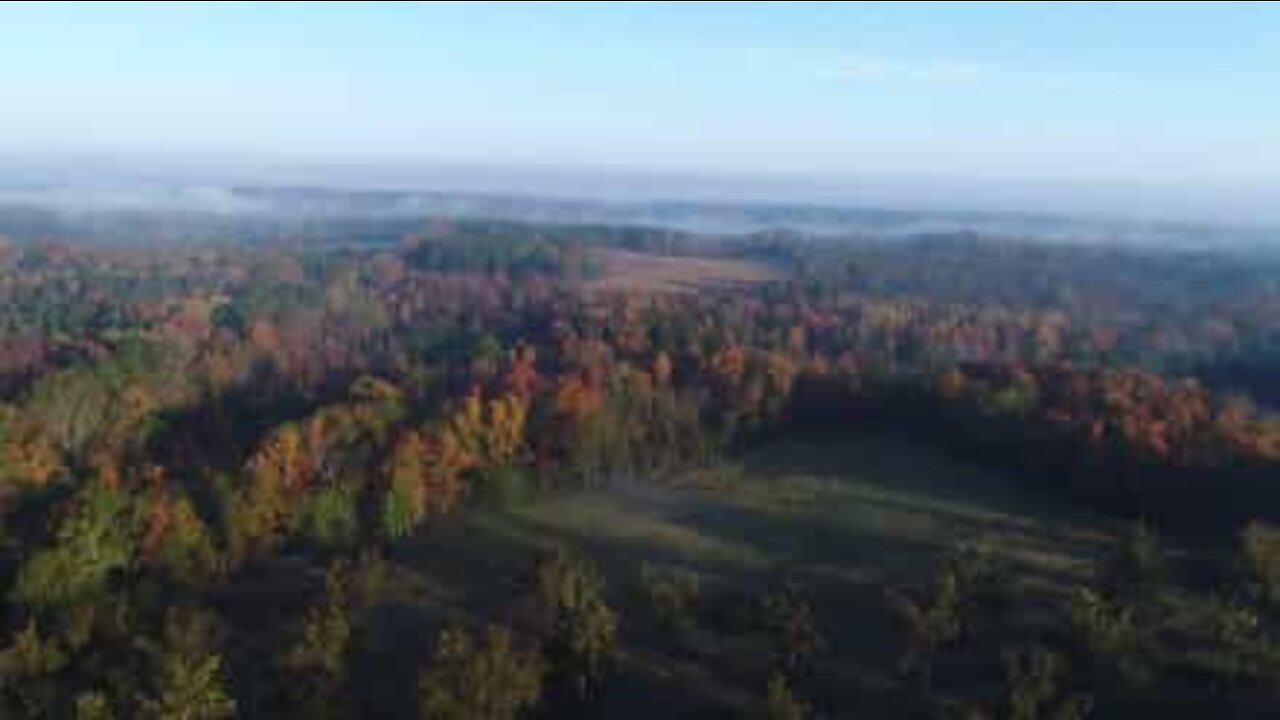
{"x":1181,"y":95}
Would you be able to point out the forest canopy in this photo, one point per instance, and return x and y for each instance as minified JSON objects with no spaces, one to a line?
{"x":220,"y":464}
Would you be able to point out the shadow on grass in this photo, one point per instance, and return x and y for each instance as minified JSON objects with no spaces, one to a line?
{"x":873,"y":515}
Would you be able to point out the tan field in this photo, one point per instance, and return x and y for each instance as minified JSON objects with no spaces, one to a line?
{"x":624,"y":270}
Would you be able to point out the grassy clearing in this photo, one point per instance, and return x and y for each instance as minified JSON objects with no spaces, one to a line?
{"x":844,"y":518}
{"x":623,"y":270}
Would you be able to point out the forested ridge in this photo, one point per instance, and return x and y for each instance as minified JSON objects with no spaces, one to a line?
{"x":191,"y":432}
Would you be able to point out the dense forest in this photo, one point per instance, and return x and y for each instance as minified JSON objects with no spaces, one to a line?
{"x":227,"y":467}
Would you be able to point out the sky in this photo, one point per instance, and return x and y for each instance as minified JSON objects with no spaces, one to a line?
{"x":1176,"y":104}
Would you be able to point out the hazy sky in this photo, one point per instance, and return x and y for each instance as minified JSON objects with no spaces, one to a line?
{"x":1182,"y":95}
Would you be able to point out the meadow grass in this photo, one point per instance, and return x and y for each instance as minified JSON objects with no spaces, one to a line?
{"x":844,"y":518}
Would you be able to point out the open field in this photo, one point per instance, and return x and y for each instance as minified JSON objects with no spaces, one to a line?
{"x":623,"y":270}
{"x":845,"y":519}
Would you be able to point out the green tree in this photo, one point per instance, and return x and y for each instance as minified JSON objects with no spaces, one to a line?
{"x":187,"y":680}
{"x":315,"y":666}
{"x":672,"y":594}
{"x":329,"y":516}
{"x":97,"y":537}
{"x":1260,"y":561}
{"x":1034,"y":679}
{"x":29,"y":667}
{"x":486,"y":680}
{"x":1134,"y":573}
{"x":932,"y":621}
{"x":789,"y":615}
{"x":579,"y":626}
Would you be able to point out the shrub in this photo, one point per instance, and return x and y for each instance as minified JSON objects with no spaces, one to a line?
{"x":93,"y":706}
{"x":1235,"y":631}
{"x":672,"y":594}
{"x":1111,"y":634}
{"x":504,"y":488}
{"x":364,"y":581}
{"x":781,"y":703}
